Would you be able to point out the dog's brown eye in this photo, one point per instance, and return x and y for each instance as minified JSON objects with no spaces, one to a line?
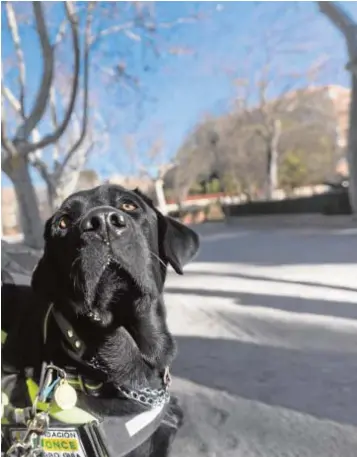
{"x":129,"y":206}
{"x":64,"y":222}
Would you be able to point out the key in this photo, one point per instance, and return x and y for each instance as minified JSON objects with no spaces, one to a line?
{"x":35,"y":428}
{"x":39,"y":424}
{"x":17,"y":449}
{"x":30,"y":445}
{"x":37,"y":452}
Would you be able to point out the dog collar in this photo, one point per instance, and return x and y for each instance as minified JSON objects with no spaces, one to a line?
{"x":147,"y":396}
{"x":67,"y":330}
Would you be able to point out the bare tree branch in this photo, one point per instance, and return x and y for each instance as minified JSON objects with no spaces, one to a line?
{"x":111,"y":30}
{"x":145,"y":25}
{"x":6,"y":144}
{"x":84,"y":125}
{"x":43,"y":93}
{"x":14,"y":31}
{"x":53,"y":110}
{"x":53,"y":137}
{"x":61,"y":32}
{"x":10,"y":97}
{"x":167,"y":25}
{"x":82,"y":156}
{"x":338,"y":16}
{"x":165,"y":168}
{"x":40,"y":166}
{"x":54,"y":120}
{"x":344,"y":23}
{"x":133,"y":36}
{"x":15,"y":104}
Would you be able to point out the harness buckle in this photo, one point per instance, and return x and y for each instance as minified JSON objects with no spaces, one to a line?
{"x":39,"y":424}
{"x":31,"y":444}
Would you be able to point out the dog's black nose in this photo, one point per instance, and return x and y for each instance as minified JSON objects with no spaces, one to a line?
{"x":102,"y":220}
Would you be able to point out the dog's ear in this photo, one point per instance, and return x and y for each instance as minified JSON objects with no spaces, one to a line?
{"x":43,"y":277}
{"x":180,"y":243}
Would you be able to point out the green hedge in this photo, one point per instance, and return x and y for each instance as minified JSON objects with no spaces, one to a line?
{"x":330,"y":203}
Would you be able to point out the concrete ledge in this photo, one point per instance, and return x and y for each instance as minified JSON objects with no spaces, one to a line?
{"x":294,"y":221}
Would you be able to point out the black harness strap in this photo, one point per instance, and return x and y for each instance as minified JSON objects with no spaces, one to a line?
{"x":117,"y":436}
{"x":76,"y":344}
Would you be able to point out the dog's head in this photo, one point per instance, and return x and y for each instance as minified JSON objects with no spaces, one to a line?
{"x":106,"y":247}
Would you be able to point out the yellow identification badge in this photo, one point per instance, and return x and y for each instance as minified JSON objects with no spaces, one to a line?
{"x":58,"y":442}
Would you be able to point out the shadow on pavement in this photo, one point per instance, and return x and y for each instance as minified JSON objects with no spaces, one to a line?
{"x":279,"y":248}
{"x":321,"y":384}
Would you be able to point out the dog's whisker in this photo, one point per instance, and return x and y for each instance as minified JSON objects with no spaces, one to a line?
{"x":76,"y":259}
{"x":106,"y":264}
{"x":158,"y":258}
{"x":73,"y":274}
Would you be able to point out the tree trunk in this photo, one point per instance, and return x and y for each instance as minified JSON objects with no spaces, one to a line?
{"x":272,"y":172}
{"x":30,"y":219}
{"x":160,"y":196}
{"x":352,"y":145}
{"x":180,"y":208}
{"x":58,"y":190}
{"x":65,"y":186}
{"x":51,"y":197}
{"x":347,"y":26}
{"x":272,"y":159}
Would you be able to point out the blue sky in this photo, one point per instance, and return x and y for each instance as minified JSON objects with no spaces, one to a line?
{"x":226,"y":42}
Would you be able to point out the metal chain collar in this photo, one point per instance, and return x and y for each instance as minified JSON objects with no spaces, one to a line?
{"x":147,"y":396}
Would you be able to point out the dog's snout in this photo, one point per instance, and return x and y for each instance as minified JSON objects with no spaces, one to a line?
{"x":116,"y":219}
{"x":102,"y":220}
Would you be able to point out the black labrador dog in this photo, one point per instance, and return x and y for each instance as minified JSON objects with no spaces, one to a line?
{"x":98,"y":290}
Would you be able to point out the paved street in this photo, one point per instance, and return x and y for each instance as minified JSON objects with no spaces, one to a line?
{"x":266,"y":322}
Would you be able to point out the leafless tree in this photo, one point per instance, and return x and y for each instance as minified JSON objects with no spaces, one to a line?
{"x":61,"y":177}
{"x":23,"y":144}
{"x":348,"y":28}
{"x":158,"y":165}
{"x":26,"y":145}
{"x":194,"y":158}
{"x":16,"y":151}
{"x":232,"y":146}
{"x":266,"y":97}
{"x":243,"y":146}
